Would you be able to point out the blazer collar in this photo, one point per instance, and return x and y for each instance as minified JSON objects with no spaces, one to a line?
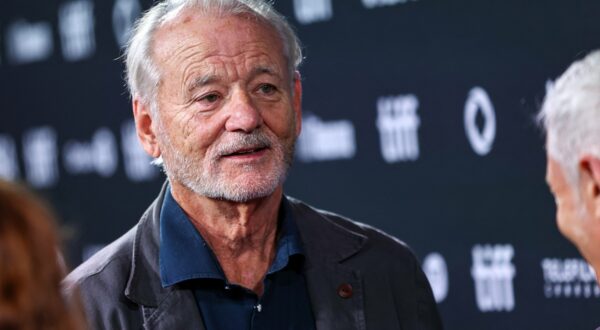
{"x":325,"y":242}
{"x":327,"y":246}
{"x":173,"y":307}
{"x":143,"y":286}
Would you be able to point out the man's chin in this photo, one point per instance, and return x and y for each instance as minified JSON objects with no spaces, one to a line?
{"x":237,"y":191}
{"x":242,"y":195}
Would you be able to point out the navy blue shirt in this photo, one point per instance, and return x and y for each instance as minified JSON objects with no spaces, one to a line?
{"x":185,"y":259}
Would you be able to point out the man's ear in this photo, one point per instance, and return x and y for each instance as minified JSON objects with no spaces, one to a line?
{"x":297,"y":102}
{"x":589,"y":183}
{"x":144,"y":127}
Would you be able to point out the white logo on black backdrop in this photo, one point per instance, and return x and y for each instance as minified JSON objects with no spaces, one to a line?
{"x":479,"y":102}
{"x":40,"y":155}
{"x":569,"y":278}
{"x":379,"y":3}
{"x":493,"y":273}
{"x":321,"y":141}
{"x":398,"y":123}
{"x":124,"y":14}
{"x":137,"y":162}
{"x":311,"y":11}
{"x":436,"y":270}
{"x":99,"y":155}
{"x":28,"y":42}
{"x":76,"y":24}
{"x":9,"y":168}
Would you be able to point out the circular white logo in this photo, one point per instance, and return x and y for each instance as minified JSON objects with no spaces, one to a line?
{"x":436,"y":271}
{"x":479,"y":101}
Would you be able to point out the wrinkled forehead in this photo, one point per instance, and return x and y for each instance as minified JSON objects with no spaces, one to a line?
{"x":192,"y":32}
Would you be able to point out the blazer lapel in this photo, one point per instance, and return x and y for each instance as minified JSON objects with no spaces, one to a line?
{"x":178,"y":310}
{"x":335,"y":290}
{"x":163,"y":308}
{"x":331,"y":310}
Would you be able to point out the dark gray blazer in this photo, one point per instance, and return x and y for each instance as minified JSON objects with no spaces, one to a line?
{"x":120,"y":285}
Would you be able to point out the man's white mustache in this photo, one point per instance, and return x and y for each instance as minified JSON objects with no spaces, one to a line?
{"x":240,"y":141}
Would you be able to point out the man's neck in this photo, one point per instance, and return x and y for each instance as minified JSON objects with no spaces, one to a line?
{"x":241,"y":235}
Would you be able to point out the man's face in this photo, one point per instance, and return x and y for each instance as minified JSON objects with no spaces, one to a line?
{"x":568,"y":208}
{"x":227,"y":117}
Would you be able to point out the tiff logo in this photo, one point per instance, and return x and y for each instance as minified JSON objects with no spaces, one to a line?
{"x":398,"y":122}
{"x":40,"y":155}
{"x":310,"y":11}
{"x":99,"y":155}
{"x":76,"y":24}
{"x":9,"y":168}
{"x":321,"y":141}
{"x":493,"y":273}
{"x":28,"y":42}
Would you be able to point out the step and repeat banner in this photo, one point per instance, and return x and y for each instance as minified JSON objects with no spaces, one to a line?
{"x":418,"y":119}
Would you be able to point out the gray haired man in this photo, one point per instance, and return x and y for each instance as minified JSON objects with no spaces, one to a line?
{"x":217,"y":101}
{"x":571,"y":116}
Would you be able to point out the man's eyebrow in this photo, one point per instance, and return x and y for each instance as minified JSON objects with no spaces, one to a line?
{"x":263,"y":70}
{"x":202,"y":81}
{"x":211,"y":78}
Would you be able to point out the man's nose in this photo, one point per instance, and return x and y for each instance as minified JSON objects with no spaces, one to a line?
{"x":244,"y":115}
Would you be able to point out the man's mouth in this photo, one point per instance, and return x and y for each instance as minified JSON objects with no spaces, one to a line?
{"x":245,"y":152}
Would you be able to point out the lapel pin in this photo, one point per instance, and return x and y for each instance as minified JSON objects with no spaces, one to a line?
{"x":345,"y":290}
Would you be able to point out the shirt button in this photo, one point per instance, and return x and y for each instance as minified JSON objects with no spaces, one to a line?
{"x":345,"y":290}
{"x":227,"y":287}
{"x":258,"y":307}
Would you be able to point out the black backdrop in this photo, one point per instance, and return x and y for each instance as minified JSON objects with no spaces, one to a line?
{"x":418,"y":120}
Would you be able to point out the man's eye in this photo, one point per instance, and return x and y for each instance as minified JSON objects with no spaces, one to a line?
{"x":211,"y":98}
{"x":267,"y":89}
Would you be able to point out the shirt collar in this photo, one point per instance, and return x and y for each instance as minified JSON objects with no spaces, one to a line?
{"x":184,"y":255}
{"x":288,"y":240}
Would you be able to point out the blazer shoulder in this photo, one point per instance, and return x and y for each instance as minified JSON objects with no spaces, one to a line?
{"x":106,"y":271}
{"x":376,"y":240}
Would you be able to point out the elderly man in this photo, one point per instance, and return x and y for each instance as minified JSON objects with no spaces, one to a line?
{"x":217,"y":100}
{"x":571,"y":117}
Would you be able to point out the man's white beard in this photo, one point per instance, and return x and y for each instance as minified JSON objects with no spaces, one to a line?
{"x":204,"y":177}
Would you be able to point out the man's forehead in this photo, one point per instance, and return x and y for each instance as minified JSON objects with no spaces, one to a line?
{"x":195,"y":24}
{"x":193,"y":33}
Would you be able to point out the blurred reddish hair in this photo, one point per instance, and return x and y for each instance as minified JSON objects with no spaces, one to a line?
{"x":30,"y":265}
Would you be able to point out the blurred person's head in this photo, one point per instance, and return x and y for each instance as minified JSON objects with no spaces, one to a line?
{"x":30,"y":265}
{"x":571,"y":117}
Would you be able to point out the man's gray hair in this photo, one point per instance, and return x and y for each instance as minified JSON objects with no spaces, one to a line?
{"x":143,"y":76}
{"x":570,"y":115}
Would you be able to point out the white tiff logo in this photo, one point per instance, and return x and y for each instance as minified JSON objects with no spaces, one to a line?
{"x":311,"y":11}
{"x":493,"y":273}
{"x":40,"y":155}
{"x":76,"y":23}
{"x":9,"y":167}
{"x":398,"y":122}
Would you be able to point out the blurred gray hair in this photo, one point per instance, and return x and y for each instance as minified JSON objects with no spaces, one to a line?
{"x":143,"y":76}
{"x":570,"y":115}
